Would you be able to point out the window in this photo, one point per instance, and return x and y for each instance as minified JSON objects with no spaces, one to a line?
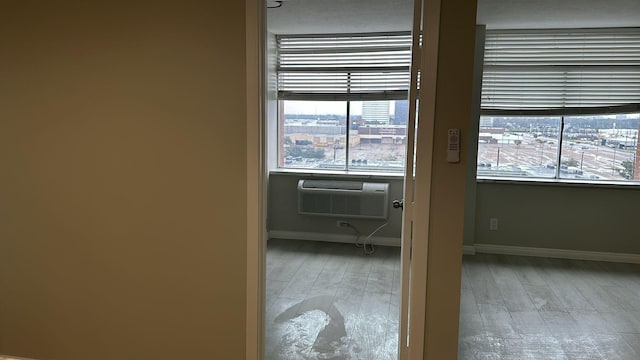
{"x":313,"y":134}
{"x":343,"y":101}
{"x":561,"y":104}
{"x":583,"y":148}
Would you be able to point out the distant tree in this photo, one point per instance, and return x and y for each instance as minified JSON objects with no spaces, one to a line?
{"x":627,"y":169}
{"x":305,"y":152}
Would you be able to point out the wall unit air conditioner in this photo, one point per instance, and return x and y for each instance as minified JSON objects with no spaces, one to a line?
{"x":348,"y":199}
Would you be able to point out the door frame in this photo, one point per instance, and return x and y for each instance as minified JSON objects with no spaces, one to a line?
{"x":440,"y":220}
{"x":256,"y":177}
{"x":417,"y":180}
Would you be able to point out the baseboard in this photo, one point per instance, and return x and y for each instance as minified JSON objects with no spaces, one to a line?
{"x":556,"y":253}
{"x":468,"y":250}
{"x":341,"y":238}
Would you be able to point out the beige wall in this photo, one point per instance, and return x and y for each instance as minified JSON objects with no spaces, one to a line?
{"x":472,"y":139}
{"x":122,"y":211}
{"x":452,"y":110}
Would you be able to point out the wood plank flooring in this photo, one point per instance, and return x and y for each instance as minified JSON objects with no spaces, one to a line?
{"x":330,"y":301}
{"x":516,"y":307}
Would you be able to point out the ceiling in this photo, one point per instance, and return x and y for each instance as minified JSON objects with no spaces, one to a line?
{"x":349,"y":16}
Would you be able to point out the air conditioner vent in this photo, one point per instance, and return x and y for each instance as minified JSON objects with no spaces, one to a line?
{"x":350,"y":199}
{"x":330,"y":184}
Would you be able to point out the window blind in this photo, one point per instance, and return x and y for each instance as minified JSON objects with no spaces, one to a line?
{"x":561,"y":69}
{"x":344,"y":67}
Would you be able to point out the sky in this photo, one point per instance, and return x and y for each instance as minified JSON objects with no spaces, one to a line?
{"x":326,"y":107}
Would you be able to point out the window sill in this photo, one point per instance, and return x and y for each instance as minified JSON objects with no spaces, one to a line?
{"x":337,"y":173}
{"x":635,"y":185}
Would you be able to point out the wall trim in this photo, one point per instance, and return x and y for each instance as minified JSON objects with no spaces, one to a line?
{"x":468,"y":250}
{"x":341,"y":238}
{"x":555,"y":253}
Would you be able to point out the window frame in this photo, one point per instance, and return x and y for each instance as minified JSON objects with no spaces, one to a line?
{"x":530,"y":52}
{"x":348,"y":168}
{"x":298,"y":59}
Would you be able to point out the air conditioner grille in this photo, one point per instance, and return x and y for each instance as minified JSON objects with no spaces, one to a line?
{"x":345,"y":199}
{"x":311,"y":203}
{"x":331,"y":184}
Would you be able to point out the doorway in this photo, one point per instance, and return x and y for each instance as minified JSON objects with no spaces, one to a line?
{"x":338,"y":117}
{"x":444,"y":224}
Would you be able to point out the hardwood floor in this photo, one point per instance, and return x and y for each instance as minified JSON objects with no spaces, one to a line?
{"x":330,"y":301}
{"x":516,"y":307}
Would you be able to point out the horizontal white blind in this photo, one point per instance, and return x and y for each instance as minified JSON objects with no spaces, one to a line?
{"x":350,"y":66}
{"x":561,"y":69}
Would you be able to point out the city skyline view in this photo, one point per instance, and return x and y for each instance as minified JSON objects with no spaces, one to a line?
{"x":327,"y":107}
{"x":375,"y":141}
{"x":593,"y":148}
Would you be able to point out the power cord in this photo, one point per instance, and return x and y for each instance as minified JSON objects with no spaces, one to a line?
{"x":370,"y":250}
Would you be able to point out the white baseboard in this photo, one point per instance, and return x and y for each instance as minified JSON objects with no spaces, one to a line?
{"x":555,"y":253}
{"x":468,"y":250}
{"x":341,"y":238}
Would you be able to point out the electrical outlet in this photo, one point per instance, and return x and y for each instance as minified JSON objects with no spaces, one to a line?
{"x":493,"y":224}
{"x":342,"y":223}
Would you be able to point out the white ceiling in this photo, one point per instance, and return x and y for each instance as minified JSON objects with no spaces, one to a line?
{"x":348,"y":16}
{"x":532,"y":14}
